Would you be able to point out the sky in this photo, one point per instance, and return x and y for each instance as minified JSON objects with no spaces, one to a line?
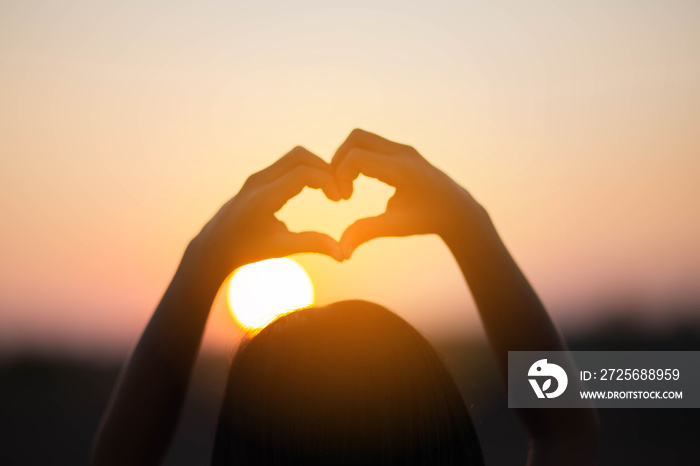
{"x":125,"y":125}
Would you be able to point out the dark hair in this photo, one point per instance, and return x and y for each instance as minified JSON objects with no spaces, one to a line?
{"x":350,"y":383}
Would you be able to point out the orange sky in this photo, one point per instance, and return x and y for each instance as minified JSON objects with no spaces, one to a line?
{"x":125,"y":125}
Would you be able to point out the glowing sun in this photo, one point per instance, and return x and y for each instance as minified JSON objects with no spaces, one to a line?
{"x":259,"y":292}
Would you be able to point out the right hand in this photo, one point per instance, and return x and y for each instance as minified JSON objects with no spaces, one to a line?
{"x":426,"y":199}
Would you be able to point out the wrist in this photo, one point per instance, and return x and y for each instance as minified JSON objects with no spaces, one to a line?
{"x":464,"y":214}
{"x":199,"y":272}
{"x":469,"y":228}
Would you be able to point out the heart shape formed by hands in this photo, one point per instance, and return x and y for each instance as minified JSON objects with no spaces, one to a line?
{"x":422,"y":202}
{"x":425,"y":201}
{"x":245,"y":229}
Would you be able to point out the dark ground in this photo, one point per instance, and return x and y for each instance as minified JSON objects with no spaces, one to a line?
{"x":49,"y":408}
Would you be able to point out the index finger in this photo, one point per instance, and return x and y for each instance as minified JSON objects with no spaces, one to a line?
{"x":296,"y":157}
{"x":361,"y":139}
{"x":385,"y":168}
{"x":276,"y":193}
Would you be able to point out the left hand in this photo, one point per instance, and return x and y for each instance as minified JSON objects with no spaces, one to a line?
{"x":245,"y":229}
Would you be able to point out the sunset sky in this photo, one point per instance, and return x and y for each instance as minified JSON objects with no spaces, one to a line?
{"x":125,"y":125}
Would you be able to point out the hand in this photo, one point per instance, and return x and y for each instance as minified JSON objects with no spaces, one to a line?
{"x":246,"y":230}
{"x":426,"y":199}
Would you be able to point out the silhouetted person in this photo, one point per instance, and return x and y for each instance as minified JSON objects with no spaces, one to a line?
{"x":350,"y":383}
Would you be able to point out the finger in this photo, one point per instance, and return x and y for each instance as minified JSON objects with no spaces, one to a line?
{"x":276,"y":193}
{"x":361,"y":139}
{"x":311,"y":241}
{"x":383,"y":167}
{"x":295,"y":157}
{"x":366,"y":229}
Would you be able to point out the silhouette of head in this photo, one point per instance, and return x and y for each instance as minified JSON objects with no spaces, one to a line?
{"x":350,"y":383}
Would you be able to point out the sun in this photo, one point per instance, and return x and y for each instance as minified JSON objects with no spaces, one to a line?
{"x":260,"y":292}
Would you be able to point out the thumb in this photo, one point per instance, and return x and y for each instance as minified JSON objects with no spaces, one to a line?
{"x":366,"y":229}
{"x":312,"y":241}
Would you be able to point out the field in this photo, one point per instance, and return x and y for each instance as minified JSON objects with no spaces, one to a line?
{"x":49,"y":408}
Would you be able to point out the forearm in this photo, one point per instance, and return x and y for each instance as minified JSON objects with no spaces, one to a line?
{"x":514,"y":319}
{"x":513,"y":316}
{"x":145,"y":406}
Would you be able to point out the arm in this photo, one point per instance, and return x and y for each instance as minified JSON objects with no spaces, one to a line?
{"x":428,"y":201}
{"x":515,"y":320}
{"x":142,"y":415}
